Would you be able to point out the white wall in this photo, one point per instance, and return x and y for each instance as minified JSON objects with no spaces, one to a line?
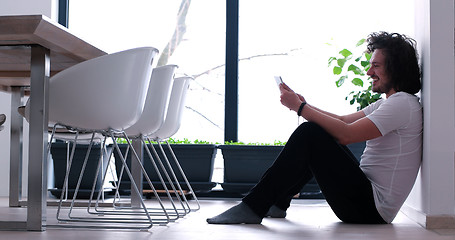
{"x":48,"y":8}
{"x":24,"y":7}
{"x":433,"y":195}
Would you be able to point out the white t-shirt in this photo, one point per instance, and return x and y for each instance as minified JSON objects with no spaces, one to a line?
{"x":391,"y":162}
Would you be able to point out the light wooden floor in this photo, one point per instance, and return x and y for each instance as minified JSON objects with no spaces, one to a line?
{"x":307,"y":219}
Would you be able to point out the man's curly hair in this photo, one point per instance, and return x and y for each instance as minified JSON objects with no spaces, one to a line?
{"x":401,"y":59}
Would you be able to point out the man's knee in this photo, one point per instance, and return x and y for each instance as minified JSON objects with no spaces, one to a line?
{"x":310,"y":129}
{"x":312,"y":137}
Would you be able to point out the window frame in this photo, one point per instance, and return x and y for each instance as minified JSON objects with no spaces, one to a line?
{"x":231,"y":64}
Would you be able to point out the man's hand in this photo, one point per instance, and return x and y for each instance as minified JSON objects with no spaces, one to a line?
{"x":289,"y":98}
{"x":301,"y":97}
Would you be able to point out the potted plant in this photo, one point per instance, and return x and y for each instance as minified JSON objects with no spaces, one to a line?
{"x":353,"y":66}
{"x":60,"y":151}
{"x":195,"y":157}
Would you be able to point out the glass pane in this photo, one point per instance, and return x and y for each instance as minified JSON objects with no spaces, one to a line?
{"x":294,"y":39}
{"x":115,"y":25}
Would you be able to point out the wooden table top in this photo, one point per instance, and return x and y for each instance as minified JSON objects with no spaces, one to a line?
{"x":18,"y":32}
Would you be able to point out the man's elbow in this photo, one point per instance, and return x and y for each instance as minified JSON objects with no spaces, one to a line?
{"x":345,"y":140}
{"x":342,"y":142}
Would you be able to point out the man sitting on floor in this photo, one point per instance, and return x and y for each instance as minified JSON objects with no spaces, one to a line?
{"x":371,"y":192}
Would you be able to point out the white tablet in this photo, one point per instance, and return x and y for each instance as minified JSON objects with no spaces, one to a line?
{"x":278,"y":81}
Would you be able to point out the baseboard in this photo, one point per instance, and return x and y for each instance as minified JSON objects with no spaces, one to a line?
{"x":429,"y":221}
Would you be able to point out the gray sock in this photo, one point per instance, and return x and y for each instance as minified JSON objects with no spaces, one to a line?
{"x":276,"y":212}
{"x":240,"y":213}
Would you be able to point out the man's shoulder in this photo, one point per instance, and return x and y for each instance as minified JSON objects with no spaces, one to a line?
{"x":403,"y":95}
{"x":404,"y":99}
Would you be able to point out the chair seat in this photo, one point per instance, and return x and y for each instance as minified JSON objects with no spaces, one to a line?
{"x":107,"y":92}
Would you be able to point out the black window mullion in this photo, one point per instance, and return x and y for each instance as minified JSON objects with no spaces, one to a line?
{"x":231,"y":74}
{"x":63,"y":12}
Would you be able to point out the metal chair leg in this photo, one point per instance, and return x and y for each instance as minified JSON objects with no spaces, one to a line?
{"x":184,"y":177}
{"x":171,"y":182}
{"x":161,"y":211}
{"x":118,"y":221}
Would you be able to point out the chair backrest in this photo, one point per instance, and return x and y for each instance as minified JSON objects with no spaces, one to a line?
{"x":104,"y":92}
{"x":156,"y":102}
{"x":174,"y":113}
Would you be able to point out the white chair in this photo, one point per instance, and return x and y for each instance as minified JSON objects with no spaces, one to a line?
{"x":152,"y":121}
{"x":170,"y":127}
{"x":156,"y":104}
{"x":152,"y":118}
{"x":175,"y":110}
{"x":69,"y":137}
{"x":105,"y":95}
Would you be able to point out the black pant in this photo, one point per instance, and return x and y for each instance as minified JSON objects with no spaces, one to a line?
{"x":311,"y":151}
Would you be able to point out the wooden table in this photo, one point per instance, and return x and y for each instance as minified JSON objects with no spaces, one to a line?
{"x":32,"y":48}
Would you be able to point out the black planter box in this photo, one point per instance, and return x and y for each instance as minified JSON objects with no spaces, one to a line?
{"x":59,"y":157}
{"x":196,"y":160}
{"x":244,"y":166}
{"x":247,"y":163}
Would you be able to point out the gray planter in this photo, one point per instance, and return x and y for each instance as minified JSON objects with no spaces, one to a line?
{"x":59,"y":157}
{"x":244,"y":166}
{"x":196,"y":160}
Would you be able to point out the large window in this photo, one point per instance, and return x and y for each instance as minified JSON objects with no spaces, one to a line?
{"x":291,"y":38}
{"x":199,"y":51}
{"x":294,"y":39}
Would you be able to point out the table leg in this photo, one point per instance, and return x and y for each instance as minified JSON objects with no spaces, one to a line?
{"x":136,"y":171}
{"x":38,"y":137}
{"x":15,"y":178}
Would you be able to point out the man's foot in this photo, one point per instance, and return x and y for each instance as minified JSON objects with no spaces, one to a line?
{"x":2,"y":119}
{"x":238,"y":214}
{"x":276,"y":212}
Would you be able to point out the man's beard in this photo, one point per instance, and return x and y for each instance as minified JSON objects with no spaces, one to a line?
{"x":383,"y":88}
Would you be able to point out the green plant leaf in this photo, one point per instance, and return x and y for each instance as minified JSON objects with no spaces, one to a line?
{"x":355,"y":69}
{"x":331,"y":59}
{"x":358,"y":64}
{"x":341,"y":62}
{"x":340,"y":81}
{"x":360,"y":42}
{"x":275,"y":143}
{"x":375,"y":97}
{"x":345,"y":53}
{"x":357,"y":82}
{"x":279,"y":143}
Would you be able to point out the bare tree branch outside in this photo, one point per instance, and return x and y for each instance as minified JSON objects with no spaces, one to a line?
{"x":177,"y":37}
